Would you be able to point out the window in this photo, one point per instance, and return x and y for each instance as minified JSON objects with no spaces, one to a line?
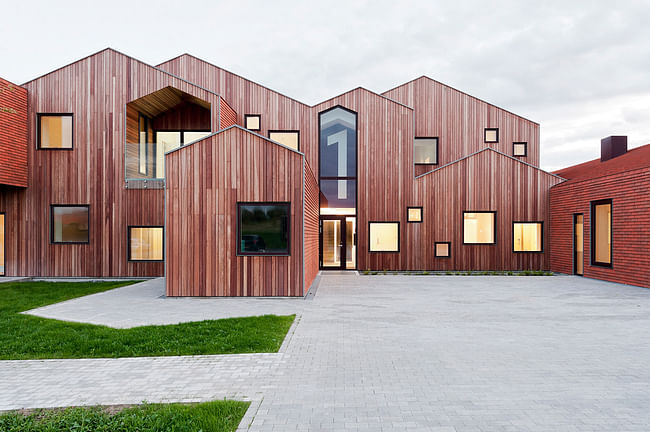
{"x":143,"y":138}
{"x":168,"y":140}
{"x":491,"y":135}
{"x":145,"y":243}
{"x":527,"y":236}
{"x":414,"y":214}
{"x":69,"y":224}
{"x":442,"y":249}
{"x":191,"y":136}
{"x":601,"y":233}
{"x":479,"y":227}
{"x":425,"y":151}
{"x":253,"y":122}
{"x":519,"y":149}
{"x":383,"y":236}
{"x":2,"y":244}
{"x":54,"y":131}
{"x":288,"y":138}
{"x":263,"y":228}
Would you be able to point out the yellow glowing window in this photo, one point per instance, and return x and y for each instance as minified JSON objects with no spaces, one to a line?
{"x":491,"y":135}
{"x":479,"y":227}
{"x":145,"y":243}
{"x":288,"y":138}
{"x":414,"y":214}
{"x":519,"y":149}
{"x":527,"y":236}
{"x":384,"y":237}
{"x":55,"y":131}
{"x":443,"y":249}
{"x":253,"y":121}
{"x":601,"y":233}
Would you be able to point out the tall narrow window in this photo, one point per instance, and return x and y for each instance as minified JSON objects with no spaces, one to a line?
{"x":527,"y":236}
{"x":69,"y":224}
{"x":479,"y":227}
{"x":146,"y":243}
{"x":263,"y":228}
{"x":143,"y":138}
{"x":54,"y":131}
{"x":290,"y":139}
{"x":2,"y":244}
{"x":601,"y":233}
{"x":519,"y":149}
{"x":491,"y":135}
{"x":383,"y":236}
{"x":253,"y":122}
{"x":425,"y":151}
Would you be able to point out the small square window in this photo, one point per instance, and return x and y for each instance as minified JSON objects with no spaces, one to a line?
{"x":519,"y":149}
{"x":253,"y":122}
{"x":290,"y":139}
{"x":383,"y":236}
{"x":146,"y":243}
{"x":414,"y":214}
{"x":491,"y":135}
{"x":527,"y":236}
{"x":54,"y":131}
{"x":479,"y":227}
{"x":69,"y":224}
{"x":425,"y":151}
{"x":442,"y":249}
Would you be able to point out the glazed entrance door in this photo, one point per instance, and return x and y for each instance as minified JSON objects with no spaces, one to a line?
{"x":578,"y":244}
{"x":338,"y":243}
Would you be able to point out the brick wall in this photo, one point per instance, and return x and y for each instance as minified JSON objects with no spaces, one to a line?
{"x":13,"y":134}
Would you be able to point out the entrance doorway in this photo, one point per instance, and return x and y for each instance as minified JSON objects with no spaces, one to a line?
{"x":578,"y":244}
{"x":338,"y":242}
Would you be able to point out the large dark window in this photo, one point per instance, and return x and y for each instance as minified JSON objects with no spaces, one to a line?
{"x":263,"y":228}
{"x":601,"y":233}
{"x":70,"y":224}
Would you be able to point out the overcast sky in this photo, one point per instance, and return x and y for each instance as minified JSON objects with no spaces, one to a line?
{"x":580,"y":69}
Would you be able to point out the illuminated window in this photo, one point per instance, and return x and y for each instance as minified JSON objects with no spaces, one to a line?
{"x":442,"y":249}
{"x":491,"y":135}
{"x":383,"y":236}
{"x":527,"y":236}
{"x":479,"y":227}
{"x":519,"y":149}
{"x":253,"y":121}
{"x":425,"y":151}
{"x":69,"y":224}
{"x":263,"y":229}
{"x":414,"y":214}
{"x":191,"y":136}
{"x":288,"y":138}
{"x":54,"y":131}
{"x":145,"y":243}
{"x":143,"y":138}
{"x":601,"y":233}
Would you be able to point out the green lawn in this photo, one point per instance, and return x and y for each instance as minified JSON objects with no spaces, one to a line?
{"x":214,"y":416}
{"x":30,"y":337}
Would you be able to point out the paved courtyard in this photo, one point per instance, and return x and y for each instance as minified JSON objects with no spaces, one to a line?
{"x":398,"y":353}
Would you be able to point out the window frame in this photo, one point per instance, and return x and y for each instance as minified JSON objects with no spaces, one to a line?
{"x":514,"y":144}
{"x":437,"y":151}
{"x":297,"y":132}
{"x":495,"y":227}
{"x":527,"y":222}
{"x":399,"y":244}
{"x":592,"y":231}
{"x":238,"y":251}
{"x":145,"y":120}
{"x":128,"y":243}
{"x":435,"y":250}
{"x":38,"y":130}
{"x":4,"y":243}
{"x":180,"y":131}
{"x":485,"y":131}
{"x":52,"y":224}
{"x":259,"y":122}
{"x":421,"y":214}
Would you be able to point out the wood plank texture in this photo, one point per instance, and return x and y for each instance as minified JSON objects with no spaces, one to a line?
{"x":311,"y":227}
{"x":13,"y":134}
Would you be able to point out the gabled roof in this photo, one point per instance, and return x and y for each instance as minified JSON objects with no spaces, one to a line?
{"x":637,"y":158}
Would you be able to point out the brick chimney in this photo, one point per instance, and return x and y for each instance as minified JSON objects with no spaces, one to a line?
{"x":612,"y":147}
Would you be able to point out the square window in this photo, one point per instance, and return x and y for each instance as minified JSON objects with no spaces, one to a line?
{"x":253,"y":122}
{"x":54,"y":131}
{"x":263,"y":228}
{"x":519,"y":149}
{"x":527,"y":236}
{"x":479,"y":227}
{"x":442,"y":249}
{"x":414,"y":214}
{"x":383,"y":236}
{"x":146,"y":243}
{"x":491,"y":135}
{"x":601,"y":233}
{"x":69,"y":224}
{"x":290,"y":139}
{"x":425,"y":151}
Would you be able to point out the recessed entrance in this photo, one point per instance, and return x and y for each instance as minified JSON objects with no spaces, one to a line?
{"x":338,"y":238}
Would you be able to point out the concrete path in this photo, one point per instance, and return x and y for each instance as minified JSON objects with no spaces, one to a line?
{"x":396,"y":353}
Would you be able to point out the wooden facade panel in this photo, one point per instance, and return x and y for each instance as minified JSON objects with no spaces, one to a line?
{"x":205,"y":181}
{"x":228,"y":116}
{"x":13,"y":134}
{"x":311,"y":224}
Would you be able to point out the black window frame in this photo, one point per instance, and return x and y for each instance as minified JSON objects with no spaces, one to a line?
{"x":495,"y":227}
{"x":39,"y":116}
{"x":485,"y":131}
{"x":259,"y":121}
{"x":527,"y":222}
{"x":421,"y":214}
{"x":297,"y":132}
{"x":239,"y":252}
{"x":128,"y":243}
{"x":592,"y":231}
{"x":52,"y":206}
{"x":399,"y":242}
{"x":435,"y":250}
{"x":181,"y":131}
{"x":525,"y":143}
{"x":437,"y":150}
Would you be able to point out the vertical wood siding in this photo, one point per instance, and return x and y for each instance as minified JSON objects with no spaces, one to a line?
{"x":13,"y":134}
{"x":228,"y":115}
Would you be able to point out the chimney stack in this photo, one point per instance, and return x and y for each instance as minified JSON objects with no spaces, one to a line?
{"x":612,"y":147}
